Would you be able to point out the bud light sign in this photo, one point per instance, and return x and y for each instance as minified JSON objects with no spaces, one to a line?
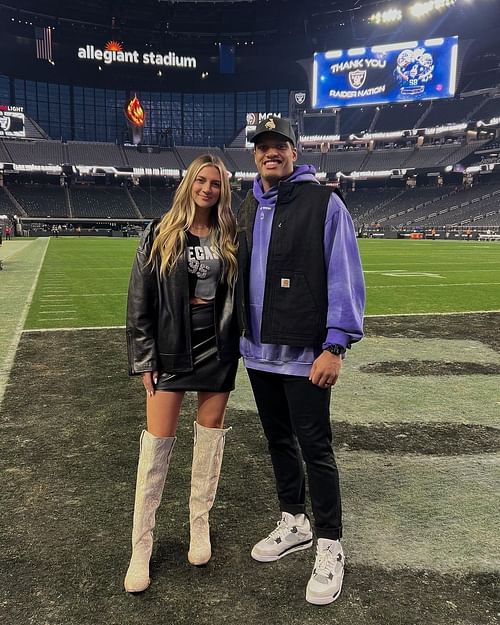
{"x":399,"y":72}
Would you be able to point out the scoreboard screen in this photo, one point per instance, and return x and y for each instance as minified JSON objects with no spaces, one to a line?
{"x":11,"y":123}
{"x":397,"y":72}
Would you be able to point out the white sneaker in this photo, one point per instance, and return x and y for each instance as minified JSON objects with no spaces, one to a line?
{"x":325,"y":583}
{"x":292,"y":533}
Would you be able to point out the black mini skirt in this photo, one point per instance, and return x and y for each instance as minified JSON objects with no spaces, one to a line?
{"x":209,"y":374}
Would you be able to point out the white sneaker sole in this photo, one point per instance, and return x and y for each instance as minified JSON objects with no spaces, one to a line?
{"x":272,"y":558}
{"x":310,"y":598}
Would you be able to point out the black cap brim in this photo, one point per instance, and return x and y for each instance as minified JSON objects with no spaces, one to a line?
{"x":272,"y":132}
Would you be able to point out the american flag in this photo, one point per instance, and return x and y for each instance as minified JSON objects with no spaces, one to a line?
{"x":43,"y":38}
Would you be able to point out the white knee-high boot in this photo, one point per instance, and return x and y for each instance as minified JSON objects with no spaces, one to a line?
{"x":154,"y":459}
{"x":207,"y":460}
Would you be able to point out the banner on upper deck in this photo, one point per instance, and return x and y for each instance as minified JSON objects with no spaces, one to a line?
{"x":397,"y":72}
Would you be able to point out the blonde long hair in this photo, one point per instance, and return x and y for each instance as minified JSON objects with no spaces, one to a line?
{"x":170,"y":233}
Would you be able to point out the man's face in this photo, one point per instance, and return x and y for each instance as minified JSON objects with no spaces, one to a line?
{"x":274,"y":158}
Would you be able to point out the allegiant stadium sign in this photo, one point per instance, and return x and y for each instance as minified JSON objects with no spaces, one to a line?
{"x":113,"y":52}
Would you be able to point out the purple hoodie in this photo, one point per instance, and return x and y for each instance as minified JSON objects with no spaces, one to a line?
{"x":346,"y":290}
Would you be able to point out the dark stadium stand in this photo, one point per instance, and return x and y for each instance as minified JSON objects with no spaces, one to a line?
{"x":41,"y":200}
{"x":4,"y":155}
{"x":344,"y":160}
{"x":100,"y":202}
{"x":448,"y":209}
{"x":35,"y":152}
{"x":6,"y":205}
{"x":387,"y":159}
{"x":356,"y":120}
{"x":320,"y":125}
{"x":406,"y":200}
{"x":363,"y":203}
{"x":395,"y":117}
{"x":95,"y":154}
{"x":311,"y":158}
{"x":483,"y":80}
{"x":489,"y":109}
{"x":242,"y":159}
{"x":444,"y":155}
{"x":150,"y":157}
{"x":188,"y":154}
{"x":453,"y":111}
{"x":152,"y":203}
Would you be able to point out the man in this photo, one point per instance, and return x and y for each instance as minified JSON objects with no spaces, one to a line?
{"x":301,"y":300}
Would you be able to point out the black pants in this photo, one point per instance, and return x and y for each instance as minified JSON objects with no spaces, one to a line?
{"x":296,"y":420}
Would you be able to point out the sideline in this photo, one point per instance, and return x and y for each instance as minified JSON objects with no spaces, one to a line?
{"x":15,"y":310}
{"x":14,"y":247}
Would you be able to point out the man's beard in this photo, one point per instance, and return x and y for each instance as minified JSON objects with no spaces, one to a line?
{"x":271,"y":180}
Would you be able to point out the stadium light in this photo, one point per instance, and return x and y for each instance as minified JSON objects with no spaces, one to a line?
{"x":386,"y":17}
{"x":422,"y":9}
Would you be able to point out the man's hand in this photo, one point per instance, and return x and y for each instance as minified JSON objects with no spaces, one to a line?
{"x":149,"y":379}
{"x":325,"y":370}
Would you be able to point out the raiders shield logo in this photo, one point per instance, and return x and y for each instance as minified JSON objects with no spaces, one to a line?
{"x":300,"y":97}
{"x":357,"y":78}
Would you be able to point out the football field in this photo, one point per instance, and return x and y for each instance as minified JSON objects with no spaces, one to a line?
{"x":83,"y":282}
{"x":416,"y":427}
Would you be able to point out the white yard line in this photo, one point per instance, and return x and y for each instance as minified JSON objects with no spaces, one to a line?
{"x":16,"y":329}
{"x":71,"y":329}
{"x":64,"y":318}
{"x":437,"y":314}
{"x":85,"y":295}
{"x":424,"y":286}
{"x":426,"y":314}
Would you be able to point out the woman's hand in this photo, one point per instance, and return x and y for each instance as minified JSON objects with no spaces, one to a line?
{"x":150,"y":379}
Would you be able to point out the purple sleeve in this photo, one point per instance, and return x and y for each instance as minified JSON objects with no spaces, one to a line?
{"x":346,"y":287}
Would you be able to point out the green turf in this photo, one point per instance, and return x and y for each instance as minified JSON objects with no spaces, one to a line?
{"x":430,"y":276}
{"x":84,"y":281}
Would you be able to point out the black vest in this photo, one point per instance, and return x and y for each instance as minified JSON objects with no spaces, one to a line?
{"x":295,"y":294}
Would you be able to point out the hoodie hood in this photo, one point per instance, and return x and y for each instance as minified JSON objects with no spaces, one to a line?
{"x":301,"y":173}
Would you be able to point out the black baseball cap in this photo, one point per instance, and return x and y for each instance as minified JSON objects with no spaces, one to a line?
{"x":277,"y":125}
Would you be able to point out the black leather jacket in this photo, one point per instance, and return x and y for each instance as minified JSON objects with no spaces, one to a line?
{"x":159,"y":320}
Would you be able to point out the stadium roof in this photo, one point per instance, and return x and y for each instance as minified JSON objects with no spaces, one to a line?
{"x":195,"y":16}
{"x":271,"y":38}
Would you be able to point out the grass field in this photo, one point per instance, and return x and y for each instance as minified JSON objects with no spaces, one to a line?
{"x":84,"y":281}
{"x":416,"y":424}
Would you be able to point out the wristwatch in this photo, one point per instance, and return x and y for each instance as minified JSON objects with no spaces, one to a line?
{"x":335,"y":349}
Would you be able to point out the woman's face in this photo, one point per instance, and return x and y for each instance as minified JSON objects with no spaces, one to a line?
{"x":206,"y":187}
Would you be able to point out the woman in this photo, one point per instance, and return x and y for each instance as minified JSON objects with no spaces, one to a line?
{"x":181,"y":336}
